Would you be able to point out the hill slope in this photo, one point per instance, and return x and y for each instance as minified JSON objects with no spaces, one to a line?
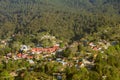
{"x":66,"y":19}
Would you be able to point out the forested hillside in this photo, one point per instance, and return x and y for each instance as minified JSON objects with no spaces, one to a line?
{"x":65,"y":19}
{"x":59,"y":39}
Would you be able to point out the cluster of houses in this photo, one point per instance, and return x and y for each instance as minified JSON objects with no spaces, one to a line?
{"x":100,"y":45}
{"x":35,"y":53}
{"x":30,"y":54}
{"x":95,"y":46}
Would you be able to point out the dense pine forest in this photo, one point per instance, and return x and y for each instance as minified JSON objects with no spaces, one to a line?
{"x":59,"y":39}
{"x":66,"y":19}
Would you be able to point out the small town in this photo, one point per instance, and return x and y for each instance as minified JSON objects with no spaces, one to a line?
{"x":59,"y":39}
{"x":80,"y":54}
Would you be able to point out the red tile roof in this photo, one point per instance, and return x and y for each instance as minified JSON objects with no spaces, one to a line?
{"x":49,"y":50}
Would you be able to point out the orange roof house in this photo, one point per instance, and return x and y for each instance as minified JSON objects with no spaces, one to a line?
{"x":19,"y":55}
{"x":29,"y":57}
{"x":48,"y":50}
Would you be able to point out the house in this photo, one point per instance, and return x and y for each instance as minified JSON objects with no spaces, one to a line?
{"x":63,"y":63}
{"x":36,"y":50}
{"x":86,"y":62}
{"x":15,"y":57}
{"x":107,"y":45}
{"x":13,"y":74}
{"x":19,"y":55}
{"x":4,"y":42}
{"x":82,"y":65}
{"x":47,"y":50}
{"x":31,"y":61}
{"x":53,"y":53}
{"x":58,"y":59}
{"x":95,"y":48}
{"x":58,"y":76}
{"x":29,"y":57}
{"x":24,"y":56}
{"x":24,"y":48}
{"x":91,"y":44}
{"x":9,"y":55}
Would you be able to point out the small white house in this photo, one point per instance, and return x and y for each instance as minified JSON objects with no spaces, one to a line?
{"x":24,"y":48}
{"x":31,"y":61}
